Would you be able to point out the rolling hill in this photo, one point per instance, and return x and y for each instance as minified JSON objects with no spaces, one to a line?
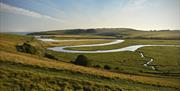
{"x":35,"y":71}
{"x":125,"y":33}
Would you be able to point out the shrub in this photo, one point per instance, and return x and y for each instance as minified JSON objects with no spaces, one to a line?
{"x":117,"y":68}
{"x":20,"y":48}
{"x":82,"y":60}
{"x":107,"y":67}
{"x":87,"y":88}
{"x":97,"y":66}
{"x":48,"y":55}
{"x":27,"y":48}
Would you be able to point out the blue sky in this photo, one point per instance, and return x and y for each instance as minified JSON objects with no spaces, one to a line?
{"x":42,"y":15}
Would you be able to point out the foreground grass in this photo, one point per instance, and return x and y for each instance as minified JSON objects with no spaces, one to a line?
{"x":47,"y":79}
{"x":100,"y":74}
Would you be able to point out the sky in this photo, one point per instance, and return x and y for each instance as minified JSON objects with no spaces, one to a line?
{"x":43,"y":15}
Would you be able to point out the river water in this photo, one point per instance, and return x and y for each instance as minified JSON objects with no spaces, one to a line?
{"x":128,"y":48}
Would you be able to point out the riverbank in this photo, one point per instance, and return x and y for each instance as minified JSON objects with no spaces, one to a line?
{"x":129,"y":48}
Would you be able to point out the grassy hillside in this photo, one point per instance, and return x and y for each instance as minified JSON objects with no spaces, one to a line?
{"x":117,"y":33}
{"x":32,"y":73}
{"x":24,"y":71}
{"x":8,"y":42}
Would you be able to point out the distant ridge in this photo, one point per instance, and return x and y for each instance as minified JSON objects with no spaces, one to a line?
{"x":17,"y":33}
{"x":123,"y":33}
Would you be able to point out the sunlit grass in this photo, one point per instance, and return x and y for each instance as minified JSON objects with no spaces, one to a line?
{"x":60,"y":65}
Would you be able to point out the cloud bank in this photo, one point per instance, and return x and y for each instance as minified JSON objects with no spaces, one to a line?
{"x":25,"y":12}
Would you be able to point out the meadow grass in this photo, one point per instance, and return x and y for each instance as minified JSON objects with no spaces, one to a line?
{"x":80,"y":42}
{"x":154,"y":34}
{"x":166,"y":59}
{"x":83,"y":36}
{"x":9,"y":57}
{"x":22,"y":76}
{"x":128,"y":42}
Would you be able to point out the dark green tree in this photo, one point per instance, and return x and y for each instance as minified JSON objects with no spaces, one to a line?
{"x":82,"y":60}
{"x":107,"y":67}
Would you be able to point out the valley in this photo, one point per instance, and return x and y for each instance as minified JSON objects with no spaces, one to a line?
{"x":154,"y":66}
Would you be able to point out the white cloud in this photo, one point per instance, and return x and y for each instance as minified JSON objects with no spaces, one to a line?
{"x":25,"y":12}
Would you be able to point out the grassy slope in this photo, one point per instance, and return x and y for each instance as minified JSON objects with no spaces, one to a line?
{"x":24,"y":71}
{"x":96,"y":74}
{"x":9,"y":41}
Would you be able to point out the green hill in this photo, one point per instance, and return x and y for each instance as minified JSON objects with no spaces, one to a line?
{"x":126,"y":33}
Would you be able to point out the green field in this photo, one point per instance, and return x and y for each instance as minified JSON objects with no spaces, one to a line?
{"x":129,"y":42}
{"x":131,"y":62}
{"x":80,"y":42}
{"x":24,"y":71}
{"x":166,"y":59}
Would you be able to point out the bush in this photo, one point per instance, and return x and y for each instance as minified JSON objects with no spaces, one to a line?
{"x":27,"y":48}
{"x":107,"y":67}
{"x":20,"y":48}
{"x":87,"y":88}
{"x":82,"y":60}
{"x":48,"y":55}
{"x":117,"y":68}
{"x":97,"y":66}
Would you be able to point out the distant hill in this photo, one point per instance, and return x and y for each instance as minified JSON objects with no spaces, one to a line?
{"x":84,"y":31}
{"x":126,"y":33}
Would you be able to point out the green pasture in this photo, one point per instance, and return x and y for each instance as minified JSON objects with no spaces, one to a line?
{"x":128,"y":42}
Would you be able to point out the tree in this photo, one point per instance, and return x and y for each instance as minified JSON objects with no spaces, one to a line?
{"x":97,"y":66}
{"x":107,"y":67}
{"x":82,"y":60}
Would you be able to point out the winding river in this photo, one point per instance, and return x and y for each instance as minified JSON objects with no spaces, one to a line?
{"x":129,"y":48}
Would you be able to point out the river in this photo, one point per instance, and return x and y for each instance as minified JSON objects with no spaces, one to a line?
{"x":128,"y":48}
